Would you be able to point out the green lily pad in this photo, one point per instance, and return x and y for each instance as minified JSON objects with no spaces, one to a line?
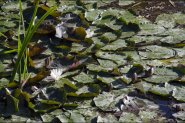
{"x":162,"y":91}
{"x":63,"y":81}
{"x":16,"y":118}
{"x":179,"y":18}
{"x":173,"y":36}
{"x":104,"y":100}
{"x":102,"y":22}
{"x":110,"y":12}
{"x":47,"y":118}
{"x":7,"y":24}
{"x":115,"y":45}
{"x":107,"y":63}
{"x":55,"y":94}
{"x":149,"y":116}
{"x":76,"y":117}
{"x":83,"y":78}
{"x":3,"y":82}
{"x":179,"y":93}
{"x":92,"y":15}
{"x":76,"y":48}
{"x":126,"y":17}
{"x":88,"y":90}
{"x":124,"y":3}
{"x":117,"y":58}
{"x":63,"y":118}
{"x":106,"y":119}
{"x":13,"y":6}
{"x":127,"y":34}
{"x":165,"y":20}
{"x":129,"y":117}
{"x":143,"y":39}
{"x":143,"y":86}
{"x":109,"y":36}
{"x":115,"y":81}
{"x":98,"y":68}
{"x":154,"y":52}
{"x":179,"y":115}
{"x":151,"y":29}
{"x":162,"y":75}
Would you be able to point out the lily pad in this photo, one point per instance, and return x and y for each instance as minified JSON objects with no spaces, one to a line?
{"x":115,"y":45}
{"x":179,"y":115}
{"x":13,"y":6}
{"x":154,"y":52}
{"x":179,"y":93}
{"x":151,"y":29}
{"x":83,"y":78}
{"x":106,"y":119}
{"x":92,"y":15}
{"x":104,"y":100}
{"x":162,"y":91}
{"x":107,"y":63}
{"x":76,"y":117}
{"x":119,"y":59}
{"x":166,"y":20}
{"x":129,"y":117}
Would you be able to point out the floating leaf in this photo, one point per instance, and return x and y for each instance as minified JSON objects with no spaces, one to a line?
{"x":179,"y":115}
{"x":62,"y":118}
{"x":165,"y":20}
{"x":173,"y":36}
{"x":13,"y":6}
{"x":162,"y":75}
{"x":107,"y":118}
{"x":151,"y":29}
{"x":83,"y":78}
{"x":115,"y":45}
{"x":98,"y":68}
{"x":129,"y":117}
{"x":55,"y":94}
{"x":76,"y":48}
{"x":179,"y":18}
{"x":104,"y":100}
{"x":3,"y":82}
{"x":179,"y":93}
{"x":162,"y":91}
{"x":154,"y":52}
{"x":107,"y":63}
{"x":143,"y":86}
{"x":76,"y":117}
{"x":149,"y":116}
{"x":119,"y":59}
{"x":92,"y":15}
{"x":47,"y":118}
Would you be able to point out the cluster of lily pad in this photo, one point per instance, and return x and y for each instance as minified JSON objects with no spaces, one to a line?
{"x":88,"y":64}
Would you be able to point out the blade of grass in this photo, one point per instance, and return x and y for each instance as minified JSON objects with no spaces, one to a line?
{"x":8,"y":51}
{"x":19,"y":41}
{"x":25,"y":65}
{"x":29,"y":34}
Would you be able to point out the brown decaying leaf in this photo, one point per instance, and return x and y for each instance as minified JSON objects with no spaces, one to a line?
{"x":36,"y":49}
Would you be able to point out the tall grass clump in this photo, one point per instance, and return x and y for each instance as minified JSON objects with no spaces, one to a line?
{"x":28,"y":34}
